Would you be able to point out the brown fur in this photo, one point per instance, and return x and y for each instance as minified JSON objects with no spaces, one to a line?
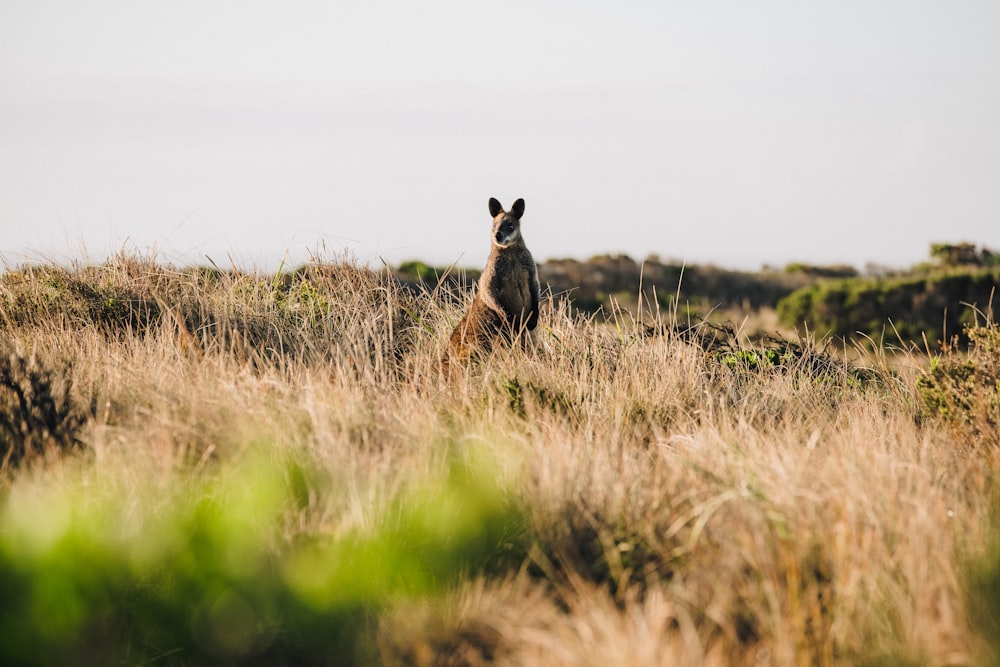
{"x":506,"y":303}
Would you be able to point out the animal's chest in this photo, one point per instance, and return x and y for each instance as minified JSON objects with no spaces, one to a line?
{"x":511,"y":282}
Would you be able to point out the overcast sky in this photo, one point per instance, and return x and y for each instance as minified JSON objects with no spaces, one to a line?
{"x":739,"y":133}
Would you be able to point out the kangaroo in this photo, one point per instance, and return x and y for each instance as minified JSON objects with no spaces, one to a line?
{"x":506,"y":303}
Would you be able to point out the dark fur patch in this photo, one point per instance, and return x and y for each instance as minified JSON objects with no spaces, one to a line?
{"x":511,"y":287}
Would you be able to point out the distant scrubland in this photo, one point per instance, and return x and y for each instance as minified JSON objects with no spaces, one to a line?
{"x":215,"y":466}
{"x":933,"y":300}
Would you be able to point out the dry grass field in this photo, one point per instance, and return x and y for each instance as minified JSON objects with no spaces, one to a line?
{"x":215,"y":467}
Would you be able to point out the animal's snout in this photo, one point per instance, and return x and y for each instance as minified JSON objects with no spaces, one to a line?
{"x":505,"y":232}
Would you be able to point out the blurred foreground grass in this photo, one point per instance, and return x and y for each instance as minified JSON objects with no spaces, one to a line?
{"x":205,"y":575}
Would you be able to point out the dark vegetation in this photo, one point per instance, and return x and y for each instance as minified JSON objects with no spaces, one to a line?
{"x":36,"y":413}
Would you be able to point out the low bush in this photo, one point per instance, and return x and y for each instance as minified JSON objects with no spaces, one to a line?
{"x":963,"y":387}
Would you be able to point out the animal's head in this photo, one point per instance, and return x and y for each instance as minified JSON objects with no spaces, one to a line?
{"x":506,"y":224}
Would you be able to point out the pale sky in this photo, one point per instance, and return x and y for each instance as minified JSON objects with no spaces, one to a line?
{"x":738,"y":133}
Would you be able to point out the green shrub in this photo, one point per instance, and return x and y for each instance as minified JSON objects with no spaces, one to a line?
{"x":913,"y":307}
{"x":964,"y":388}
{"x":417,"y":270}
{"x":431,"y":274}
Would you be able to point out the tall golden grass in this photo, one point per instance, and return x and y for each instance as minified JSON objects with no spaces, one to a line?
{"x":676,"y":501}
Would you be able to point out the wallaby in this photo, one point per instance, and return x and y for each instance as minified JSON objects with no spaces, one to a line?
{"x":506,"y":304}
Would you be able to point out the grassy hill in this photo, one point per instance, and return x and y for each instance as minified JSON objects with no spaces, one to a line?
{"x":219,"y":467}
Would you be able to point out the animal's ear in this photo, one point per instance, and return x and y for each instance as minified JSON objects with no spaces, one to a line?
{"x":496,"y":208}
{"x":517,"y":210}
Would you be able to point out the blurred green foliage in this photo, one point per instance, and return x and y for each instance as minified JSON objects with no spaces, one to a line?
{"x":208,"y":575}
